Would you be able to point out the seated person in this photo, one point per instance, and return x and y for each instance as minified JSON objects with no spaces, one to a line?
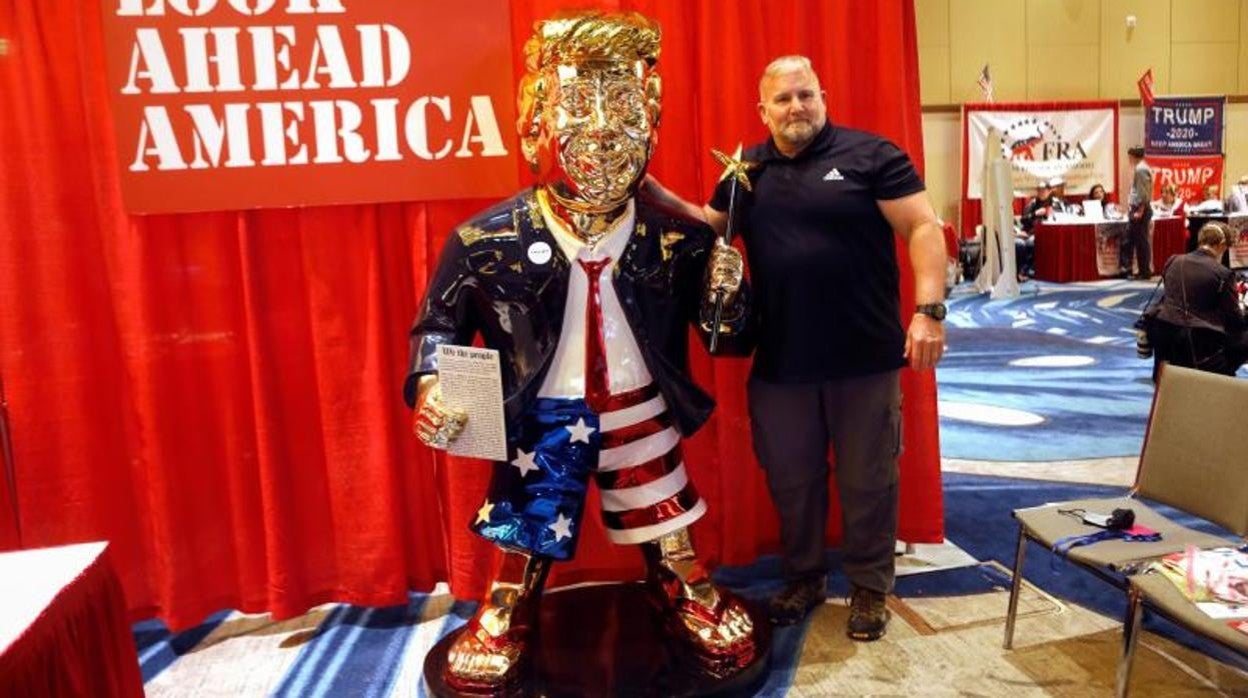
{"x":1024,"y":253}
{"x":1096,"y":195}
{"x":1058,"y":185}
{"x":973,"y":250}
{"x":1169,"y":205}
{"x":1237,"y":202}
{"x":1041,"y":206}
{"x":1210,"y":202}
{"x":1199,"y":321}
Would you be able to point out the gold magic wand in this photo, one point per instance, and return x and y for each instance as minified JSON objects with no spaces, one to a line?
{"x":736,"y":169}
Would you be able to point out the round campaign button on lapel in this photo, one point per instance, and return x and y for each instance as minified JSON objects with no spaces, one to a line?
{"x":539,"y":252}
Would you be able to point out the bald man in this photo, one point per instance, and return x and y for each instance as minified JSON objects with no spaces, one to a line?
{"x":819,"y":228}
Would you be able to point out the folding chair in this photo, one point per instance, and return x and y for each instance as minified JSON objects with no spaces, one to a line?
{"x":1193,"y":459}
{"x":1162,"y":597}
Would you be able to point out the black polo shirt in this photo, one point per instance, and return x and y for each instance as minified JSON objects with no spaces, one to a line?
{"x":822,"y":257}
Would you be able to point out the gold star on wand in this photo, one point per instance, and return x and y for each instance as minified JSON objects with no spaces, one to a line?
{"x":735,"y":167}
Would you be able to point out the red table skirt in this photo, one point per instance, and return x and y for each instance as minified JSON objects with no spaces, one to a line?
{"x":1067,"y":252}
{"x":1169,"y":239}
{"x":64,"y":629}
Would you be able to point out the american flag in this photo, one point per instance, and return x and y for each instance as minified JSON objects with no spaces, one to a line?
{"x":1145,"y":83}
{"x":985,"y":83}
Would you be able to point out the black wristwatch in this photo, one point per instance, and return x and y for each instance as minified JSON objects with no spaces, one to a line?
{"x":935,"y":311}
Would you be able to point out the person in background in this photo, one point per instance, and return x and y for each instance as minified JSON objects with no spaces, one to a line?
{"x":1169,"y":205}
{"x":1210,"y":201}
{"x":1058,"y":185}
{"x":1040,"y":207}
{"x":1237,"y":202}
{"x":1139,"y":214}
{"x":1199,"y":321}
{"x":1096,"y":195}
{"x":1024,"y":253}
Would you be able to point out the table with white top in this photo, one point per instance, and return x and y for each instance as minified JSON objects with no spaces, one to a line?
{"x":64,"y":630}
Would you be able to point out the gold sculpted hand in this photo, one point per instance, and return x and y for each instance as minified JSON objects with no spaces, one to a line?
{"x":434,"y":422}
{"x":727,"y":269}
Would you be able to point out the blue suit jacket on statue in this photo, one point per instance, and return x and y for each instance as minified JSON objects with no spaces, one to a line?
{"x":486,"y":283}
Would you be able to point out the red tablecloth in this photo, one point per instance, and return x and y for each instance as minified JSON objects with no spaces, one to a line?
{"x":1169,"y":239}
{"x":63,"y":625}
{"x":1067,"y":251}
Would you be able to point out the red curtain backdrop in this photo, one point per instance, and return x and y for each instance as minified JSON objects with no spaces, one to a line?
{"x":218,"y":394}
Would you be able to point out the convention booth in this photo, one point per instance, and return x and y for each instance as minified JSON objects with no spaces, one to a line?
{"x":217,"y":229}
{"x":1077,"y":143}
{"x":1073,"y":141}
{"x":1087,"y":251}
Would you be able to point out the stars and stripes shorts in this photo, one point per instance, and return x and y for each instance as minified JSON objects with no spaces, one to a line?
{"x":632,"y":450}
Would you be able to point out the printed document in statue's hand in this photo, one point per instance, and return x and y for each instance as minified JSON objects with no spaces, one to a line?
{"x":472,"y":381}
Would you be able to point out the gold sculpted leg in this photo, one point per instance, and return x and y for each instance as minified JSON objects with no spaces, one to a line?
{"x":488,"y":655}
{"x":710,"y":622}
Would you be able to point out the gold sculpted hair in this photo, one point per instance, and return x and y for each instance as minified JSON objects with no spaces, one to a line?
{"x":625,"y":37}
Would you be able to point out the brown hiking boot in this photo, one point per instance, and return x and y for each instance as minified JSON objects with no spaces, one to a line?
{"x":868,"y":617}
{"x":796,"y":600}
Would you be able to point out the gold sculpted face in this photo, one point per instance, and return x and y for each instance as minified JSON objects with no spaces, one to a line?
{"x":589,"y":107}
{"x":599,"y":136}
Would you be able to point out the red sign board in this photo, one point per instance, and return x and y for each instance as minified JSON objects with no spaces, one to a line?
{"x":231,"y":104}
{"x":1188,"y":174}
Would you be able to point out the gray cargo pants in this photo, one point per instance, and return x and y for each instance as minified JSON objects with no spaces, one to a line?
{"x":793,"y":425}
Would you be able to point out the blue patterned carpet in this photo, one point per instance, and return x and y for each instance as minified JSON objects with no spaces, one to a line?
{"x":1051,"y":375}
{"x":359,"y":651}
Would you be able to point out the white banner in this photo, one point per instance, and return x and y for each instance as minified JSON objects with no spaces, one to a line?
{"x":1076,"y":144}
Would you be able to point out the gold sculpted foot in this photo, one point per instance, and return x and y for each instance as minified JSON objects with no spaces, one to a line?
{"x":488,"y":657}
{"x":709,"y":622}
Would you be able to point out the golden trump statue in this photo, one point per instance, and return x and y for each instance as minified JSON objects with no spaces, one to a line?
{"x":587,"y":294}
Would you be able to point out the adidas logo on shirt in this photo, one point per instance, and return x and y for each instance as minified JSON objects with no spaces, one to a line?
{"x":833,"y":175}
